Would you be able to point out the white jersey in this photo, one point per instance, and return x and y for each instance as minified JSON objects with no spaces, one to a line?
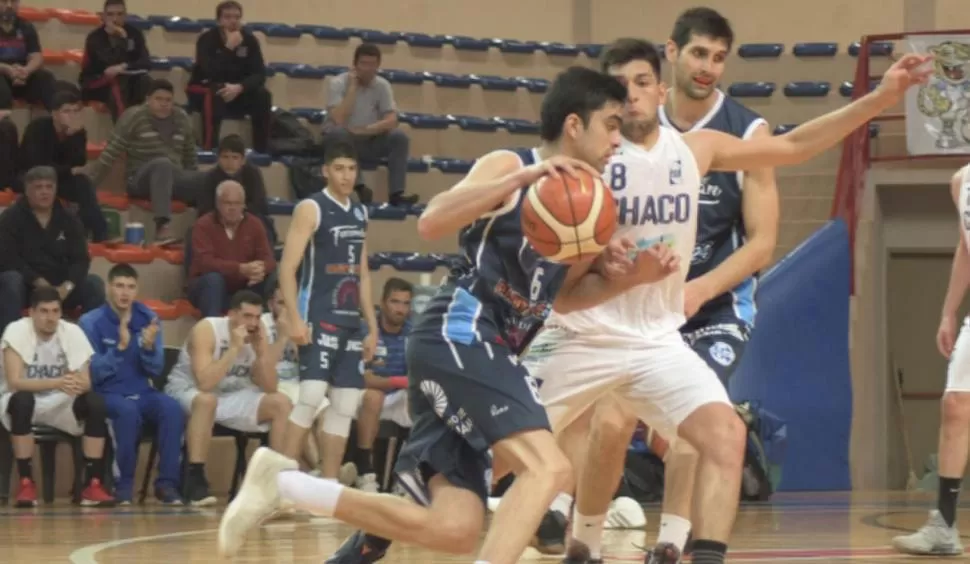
{"x":963,"y":207}
{"x":288,"y":367}
{"x":49,"y":363}
{"x":239,"y":375}
{"x":656,"y":195}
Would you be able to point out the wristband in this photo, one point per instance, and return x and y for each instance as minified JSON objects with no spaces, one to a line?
{"x":398,"y":381}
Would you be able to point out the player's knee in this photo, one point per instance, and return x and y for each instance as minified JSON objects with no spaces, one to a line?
{"x":94,"y":405}
{"x":955,"y":409}
{"x":278,"y":405}
{"x":372,"y":401}
{"x":684,"y":451}
{"x":313,"y":395}
{"x":457,"y":534}
{"x":725,"y":438}
{"x":21,"y":410}
{"x":339,"y":415}
{"x":204,"y":403}
{"x":95,"y":412}
{"x":611,"y":426}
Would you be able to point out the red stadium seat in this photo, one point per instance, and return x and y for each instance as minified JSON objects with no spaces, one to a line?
{"x":98,"y":250}
{"x":171,"y":255}
{"x":165,"y":311}
{"x":7,"y":197}
{"x":186,"y":308}
{"x":94,"y":150}
{"x":74,"y":56}
{"x":113,"y":201}
{"x":177,"y":207}
{"x":53,"y":57}
{"x":132,"y":254}
{"x":75,"y":17}
{"x":33,"y":14}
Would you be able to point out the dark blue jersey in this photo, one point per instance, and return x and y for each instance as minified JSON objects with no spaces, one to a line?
{"x":501,"y":289}
{"x":720,"y":224}
{"x":330,"y":271}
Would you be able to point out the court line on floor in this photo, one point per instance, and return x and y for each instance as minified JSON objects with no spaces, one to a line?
{"x":87,"y":554}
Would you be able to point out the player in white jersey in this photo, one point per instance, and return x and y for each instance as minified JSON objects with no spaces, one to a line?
{"x":225,"y":375}
{"x":630,"y":347}
{"x":939,"y":536}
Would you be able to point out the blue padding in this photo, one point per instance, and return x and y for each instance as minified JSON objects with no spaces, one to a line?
{"x":465,"y":43}
{"x":752,"y":89}
{"x":425,"y":121}
{"x":784,"y":128}
{"x":182,"y":25}
{"x":332,"y":70}
{"x":416,"y":263}
{"x":308,"y":71}
{"x":447,"y":260}
{"x":206,"y":157}
{"x":592,"y":50}
{"x":760,"y":50}
{"x":521,"y":126}
{"x":424,"y":40}
{"x":324,"y":32}
{"x":873,"y":130}
{"x":208,"y":23}
{"x":282,"y":68}
{"x":184,"y":63}
{"x":797,"y":362}
{"x":453,"y":166}
{"x":277,"y":206}
{"x":515,"y":46}
{"x":417,"y":164}
{"x":140,"y":22}
{"x":815,"y":49}
{"x":312,"y":115}
{"x":259,"y":159}
{"x":560,"y":49}
{"x":160,"y":63}
{"x":491,"y":82}
{"x":447,"y":80}
{"x":270,"y":29}
{"x":376,"y":261}
{"x":807,"y":89}
{"x":878,"y":49}
{"x":386,"y":211}
{"x":534,"y":85}
{"x":846,"y":88}
{"x":158,"y":19}
{"x":402,"y":76}
{"x":417,"y":209}
{"x":472,"y":123}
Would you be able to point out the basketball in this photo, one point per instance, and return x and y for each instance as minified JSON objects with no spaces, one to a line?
{"x":570,"y":218}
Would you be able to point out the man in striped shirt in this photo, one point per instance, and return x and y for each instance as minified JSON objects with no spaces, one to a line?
{"x":159,"y":142}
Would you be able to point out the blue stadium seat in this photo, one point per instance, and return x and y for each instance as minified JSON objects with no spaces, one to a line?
{"x":452,"y":166}
{"x":492,"y":82}
{"x":752,"y":89}
{"x":447,"y":80}
{"x":278,"y":206}
{"x":873,"y":130}
{"x":515,"y":46}
{"x":376,"y":261}
{"x":424,"y":40}
{"x":446,"y":260}
{"x":308,"y":71}
{"x":815,"y":49}
{"x":465,"y":43}
{"x":157,"y":19}
{"x":807,"y":89}
{"x":324,"y":32}
{"x":417,"y":164}
{"x":207,"y":23}
{"x":760,"y":50}
{"x":206,"y":157}
{"x":425,"y":121}
{"x":312,"y":115}
{"x":534,"y":85}
{"x":184,"y":63}
{"x":261,"y":160}
{"x":161,"y":64}
{"x":409,"y":262}
{"x":332,"y":70}
{"x":522,"y":126}
{"x":592,"y":50}
{"x":472,"y":123}
{"x":374,"y":35}
{"x":878,"y":49}
{"x":387,"y":212}
{"x":275,"y":29}
{"x":402,"y":76}
{"x":140,"y":22}
{"x":417,"y":209}
{"x":182,"y":25}
{"x":561,"y":49}
{"x":847,"y":87}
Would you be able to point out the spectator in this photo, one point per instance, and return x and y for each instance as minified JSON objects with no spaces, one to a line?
{"x":225,"y":375}
{"x":382,"y":393}
{"x":116,"y":62}
{"x":159,"y":143}
{"x":9,"y":149}
{"x":21,"y":61}
{"x":128,"y":353}
{"x":361,"y":107}
{"x":229,"y":76}
{"x":232,"y":165}
{"x":60,"y":141}
{"x":46,"y":382}
{"x":44,"y":246}
{"x":230,"y":252}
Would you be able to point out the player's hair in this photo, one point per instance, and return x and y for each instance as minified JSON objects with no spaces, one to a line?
{"x":228,"y":5}
{"x":339,"y":150}
{"x":122,"y":270}
{"x":627,"y":49}
{"x":232,"y":143}
{"x":121,"y":3}
{"x":702,"y":21}
{"x":395,"y":284}
{"x":580,"y":91}
{"x":44,"y":295}
{"x":245,"y":297}
{"x":160,"y":84}
{"x":367,"y":50}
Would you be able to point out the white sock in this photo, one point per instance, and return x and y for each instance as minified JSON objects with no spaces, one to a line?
{"x":315,"y":495}
{"x":589,"y":531}
{"x":673,"y":529}
{"x":562,"y":504}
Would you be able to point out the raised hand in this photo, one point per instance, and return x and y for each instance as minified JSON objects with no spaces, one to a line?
{"x":657,"y":263}
{"x":148,"y":334}
{"x":616,"y":260}
{"x":238,"y":337}
{"x":911,"y":69}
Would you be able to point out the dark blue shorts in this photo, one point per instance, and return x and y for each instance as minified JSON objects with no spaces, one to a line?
{"x":720,"y":342}
{"x":333,"y":356}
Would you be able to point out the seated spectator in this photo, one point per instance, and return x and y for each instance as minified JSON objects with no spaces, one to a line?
{"x":229,"y":77}
{"x":21,"y":61}
{"x":60,"y":141}
{"x":128,"y":353}
{"x":382,"y":394}
{"x":232,"y":165}
{"x":225,"y":375}
{"x":44,"y":246}
{"x":230,"y":252}
{"x":116,"y":62}
{"x":159,"y":143}
{"x":361,"y":110}
{"x":46,"y":382}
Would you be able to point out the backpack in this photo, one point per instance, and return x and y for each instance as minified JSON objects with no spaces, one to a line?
{"x":287,"y":136}
{"x":765,"y":452}
{"x":306,"y":175}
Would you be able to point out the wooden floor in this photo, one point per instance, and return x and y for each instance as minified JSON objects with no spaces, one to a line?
{"x":793,"y":528}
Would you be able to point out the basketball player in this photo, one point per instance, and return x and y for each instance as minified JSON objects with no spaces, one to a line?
{"x":225,"y":375}
{"x":939,"y":536}
{"x":326,"y":242}
{"x":469,"y":396}
{"x":630,"y":347}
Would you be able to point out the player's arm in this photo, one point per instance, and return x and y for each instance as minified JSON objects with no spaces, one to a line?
{"x":759,"y":208}
{"x":960,"y":272}
{"x":208,"y":371}
{"x":14,"y":369}
{"x":366,"y":297}
{"x":264,"y":368}
{"x":304,"y":223}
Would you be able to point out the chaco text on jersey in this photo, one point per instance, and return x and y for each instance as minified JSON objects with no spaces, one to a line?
{"x":346,"y":232}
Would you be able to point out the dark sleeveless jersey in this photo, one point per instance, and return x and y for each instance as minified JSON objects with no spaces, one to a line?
{"x":720,"y":224}
{"x":501,"y":289}
{"x":330,"y":271}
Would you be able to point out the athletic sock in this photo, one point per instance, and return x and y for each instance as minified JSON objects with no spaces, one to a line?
{"x":673,"y":529}
{"x":562,"y":504}
{"x":315,"y":495}
{"x":947,"y":500}
{"x":589,"y":531}
{"x":363,"y":461}
{"x":92,"y":469}
{"x":708,"y":552}
{"x":25,"y":467}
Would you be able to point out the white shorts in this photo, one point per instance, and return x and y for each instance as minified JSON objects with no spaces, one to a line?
{"x":238,"y":410}
{"x":662,"y":380}
{"x":396,"y":408}
{"x":54,"y":409}
{"x":958,"y":370}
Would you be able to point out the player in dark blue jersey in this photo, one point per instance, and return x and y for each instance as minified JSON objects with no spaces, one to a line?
{"x":325,"y":282}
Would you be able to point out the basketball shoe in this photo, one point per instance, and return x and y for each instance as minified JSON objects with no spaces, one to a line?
{"x":578,"y":553}
{"x":934,"y":538}
{"x":664,"y":553}
{"x":360,"y":548}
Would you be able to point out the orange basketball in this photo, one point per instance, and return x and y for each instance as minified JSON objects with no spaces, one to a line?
{"x":568,"y":219}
